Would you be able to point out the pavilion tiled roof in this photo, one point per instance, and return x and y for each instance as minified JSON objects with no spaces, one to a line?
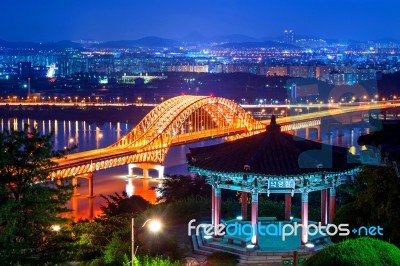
{"x":272,"y":153}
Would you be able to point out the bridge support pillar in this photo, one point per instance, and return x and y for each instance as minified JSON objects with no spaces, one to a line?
{"x":75,"y":208}
{"x":146,"y":167}
{"x":130,"y":169}
{"x":91,"y":215}
{"x":307,"y":133}
{"x":145,"y":172}
{"x":90,"y":185}
{"x":75,"y":185}
{"x":318,"y":133}
{"x":160,"y":170}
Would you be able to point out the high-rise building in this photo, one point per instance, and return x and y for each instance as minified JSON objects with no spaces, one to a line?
{"x":288,"y":36}
{"x":24,"y":69}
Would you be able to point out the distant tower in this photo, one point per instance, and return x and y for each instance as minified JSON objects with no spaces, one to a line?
{"x":288,"y":36}
{"x":29,"y":87}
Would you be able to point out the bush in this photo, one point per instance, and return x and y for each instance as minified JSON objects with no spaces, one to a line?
{"x":222,"y":259}
{"x":154,"y":261}
{"x":357,"y":252}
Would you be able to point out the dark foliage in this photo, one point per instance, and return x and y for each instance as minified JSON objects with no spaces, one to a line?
{"x":357,"y":252}
{"x":178,"y":187}
{"x":30,"y":203}
{"x":377,"y":194}
{"x":222,"y":259}
{"x":123,"y":204}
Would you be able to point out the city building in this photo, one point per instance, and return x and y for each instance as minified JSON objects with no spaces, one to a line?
{"x":288,"y":36}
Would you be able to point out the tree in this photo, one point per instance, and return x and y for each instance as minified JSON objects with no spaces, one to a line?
{"x":30,"y":203}
{"x":117,"y":204}
{"x":376,"y":203}
{"x":178,"y":187}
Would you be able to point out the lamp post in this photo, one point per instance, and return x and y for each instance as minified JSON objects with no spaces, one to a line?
{"x":154,"y":226}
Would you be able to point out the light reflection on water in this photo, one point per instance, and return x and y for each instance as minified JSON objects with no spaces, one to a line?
{"x":114,"y":180}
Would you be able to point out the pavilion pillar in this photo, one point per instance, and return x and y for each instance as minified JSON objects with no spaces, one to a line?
{"x":217,"y":208}
{"x":324,"y":206}
{"x":212,"y":206}
{"x":254,"y":218}
{"x":332,"y":203}
{"x":288,"y":206}
{"x":244,"y":205}
{"x":304,"y":217}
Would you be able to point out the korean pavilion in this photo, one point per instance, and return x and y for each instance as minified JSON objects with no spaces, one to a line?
{"x":274,"y":162}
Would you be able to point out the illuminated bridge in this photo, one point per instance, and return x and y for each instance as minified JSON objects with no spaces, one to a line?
{"x":179,"y":120}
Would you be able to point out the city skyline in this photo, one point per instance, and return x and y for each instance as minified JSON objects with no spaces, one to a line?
{"x":42,"y":21}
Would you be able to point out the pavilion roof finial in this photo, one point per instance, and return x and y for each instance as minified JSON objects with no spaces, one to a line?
{"x":273,"y":120}
{"x":273,"y":126}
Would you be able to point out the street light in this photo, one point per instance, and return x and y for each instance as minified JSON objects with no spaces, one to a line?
{"x":154,"y":226}
{"x":56,"y":228}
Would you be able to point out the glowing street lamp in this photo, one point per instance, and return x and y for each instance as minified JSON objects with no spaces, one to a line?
{"x":56,"y":228}
{"x":154,"y":227}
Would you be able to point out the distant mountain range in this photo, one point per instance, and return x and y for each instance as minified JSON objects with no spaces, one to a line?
{"x":60,"y":45}
{"x":195,"y":38}
{"x":266,"y":44}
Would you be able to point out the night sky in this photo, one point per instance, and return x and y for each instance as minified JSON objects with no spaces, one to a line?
{"x":54,"y":20}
